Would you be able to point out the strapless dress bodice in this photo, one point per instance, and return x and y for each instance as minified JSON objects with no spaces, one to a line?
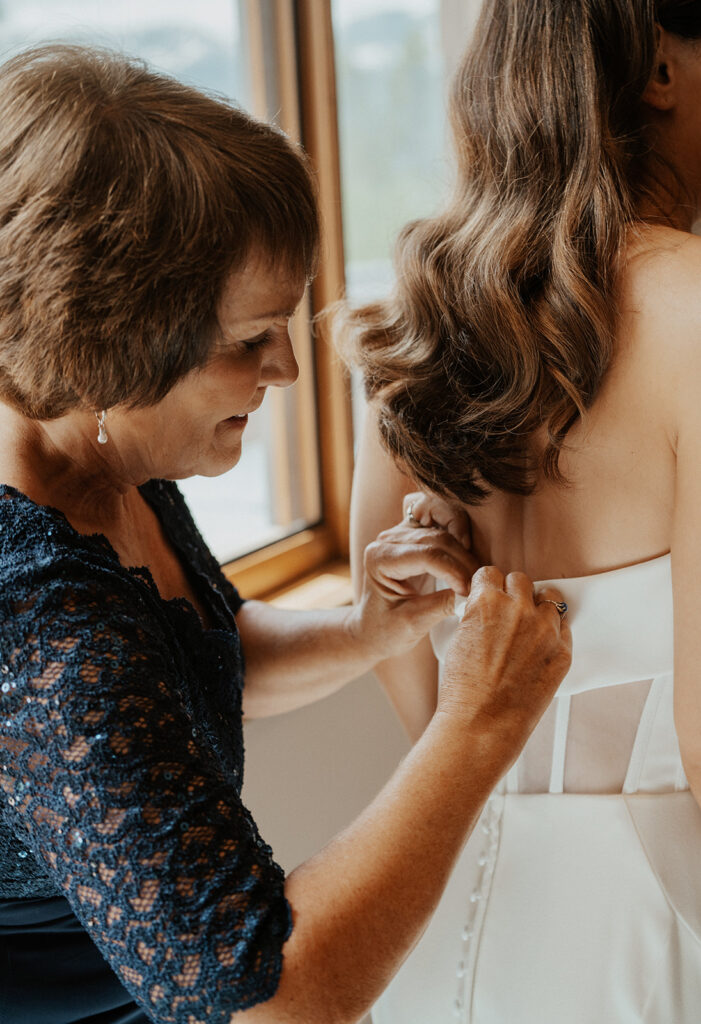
{"x":621,"y":622}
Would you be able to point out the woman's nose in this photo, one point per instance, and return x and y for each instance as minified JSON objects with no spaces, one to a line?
{"x":280,"y":367}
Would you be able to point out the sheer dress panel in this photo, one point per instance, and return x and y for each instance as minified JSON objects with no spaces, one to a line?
{"x":600,"y":733}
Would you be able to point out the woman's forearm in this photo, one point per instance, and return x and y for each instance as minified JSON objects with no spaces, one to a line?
{"x":296,"y":657}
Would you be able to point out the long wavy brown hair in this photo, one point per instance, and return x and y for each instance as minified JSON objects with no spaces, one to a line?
{"x":502,"y":318}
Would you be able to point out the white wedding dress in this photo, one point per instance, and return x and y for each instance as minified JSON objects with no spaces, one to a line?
{"x":577,"y":900}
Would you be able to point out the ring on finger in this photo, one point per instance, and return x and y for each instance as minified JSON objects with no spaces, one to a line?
{"x":560,"y":605}
{"x":410,"y":515}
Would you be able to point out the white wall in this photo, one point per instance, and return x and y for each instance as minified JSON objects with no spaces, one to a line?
{"x":310,"y":772}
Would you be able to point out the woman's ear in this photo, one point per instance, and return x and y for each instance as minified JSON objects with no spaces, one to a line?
{"x":661,"y":91}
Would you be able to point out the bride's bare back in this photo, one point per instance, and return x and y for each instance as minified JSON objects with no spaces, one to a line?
{"x":620,"y":461}
{"x":617,"y":504}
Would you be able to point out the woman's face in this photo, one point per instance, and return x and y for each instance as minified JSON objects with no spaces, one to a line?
{"x":198,"y":427}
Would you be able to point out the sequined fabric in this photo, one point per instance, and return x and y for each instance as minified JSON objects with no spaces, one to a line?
{"x":121,"y":764}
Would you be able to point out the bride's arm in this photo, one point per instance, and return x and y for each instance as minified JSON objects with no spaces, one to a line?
{"x":411,"y":680}
{"x":686,"y":564}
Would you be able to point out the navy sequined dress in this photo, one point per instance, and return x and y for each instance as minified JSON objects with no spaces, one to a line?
{"x":121,"y":764}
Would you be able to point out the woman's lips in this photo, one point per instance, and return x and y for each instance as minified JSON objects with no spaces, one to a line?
{"x":237,"y":421}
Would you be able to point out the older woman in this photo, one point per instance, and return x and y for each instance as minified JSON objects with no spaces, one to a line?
{"x":154,"y":243}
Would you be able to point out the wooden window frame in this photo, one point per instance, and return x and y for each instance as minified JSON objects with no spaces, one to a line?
{"x":302,"y":73}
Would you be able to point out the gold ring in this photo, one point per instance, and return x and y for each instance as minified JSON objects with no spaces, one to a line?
{"x":560,"y":605}
{"x":410,"y":514}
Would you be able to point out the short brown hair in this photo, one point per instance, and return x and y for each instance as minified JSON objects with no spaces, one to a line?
{"x":126,"y":200}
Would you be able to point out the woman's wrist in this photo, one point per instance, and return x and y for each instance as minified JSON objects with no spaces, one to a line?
{"x":362,"y":636}
{"x":376,"y":634}
{"x":485,"y":743}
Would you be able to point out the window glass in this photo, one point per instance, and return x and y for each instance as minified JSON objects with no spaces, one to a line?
{"x":390,"y":74}
{"x":393,"y":65}
{"x":274,"y":490}
{"x":199,"y":43}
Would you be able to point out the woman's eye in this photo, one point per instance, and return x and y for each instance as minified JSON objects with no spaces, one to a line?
{"x":258,"y":341}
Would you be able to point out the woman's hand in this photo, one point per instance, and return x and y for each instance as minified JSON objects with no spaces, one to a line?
{"x":424,"y":509}
{"x":508,"y":656}
{"x":296,"y":657}
{"x":394,"y":612}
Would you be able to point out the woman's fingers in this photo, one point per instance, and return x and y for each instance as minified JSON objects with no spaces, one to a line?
{"x":547,"y":599}
{"x":544,"y":594}
{"x":519,"y":585}
{"x":486,"y":578}
{"x":509,"y":653}
{"x":401,"y":554}
{"x":394,"y":610}
{"x":550,"y":602}
{"x":426,"y":610}
{"x":423,"y":509}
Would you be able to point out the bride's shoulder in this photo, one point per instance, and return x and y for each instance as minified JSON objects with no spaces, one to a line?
{"x":660,"y":326}
{"x":660,"y":298}
{"x":658,"y":257}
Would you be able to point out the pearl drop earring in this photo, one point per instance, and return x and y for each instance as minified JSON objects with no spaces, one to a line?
{"x":102,"y":433}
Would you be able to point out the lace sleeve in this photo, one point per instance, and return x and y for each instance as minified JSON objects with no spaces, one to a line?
{"x":140,"y":829}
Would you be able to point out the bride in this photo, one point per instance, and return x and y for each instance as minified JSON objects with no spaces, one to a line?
{"x":540,"y":363}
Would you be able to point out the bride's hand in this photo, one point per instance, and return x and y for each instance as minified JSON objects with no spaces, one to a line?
{"x":393,"y":614}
